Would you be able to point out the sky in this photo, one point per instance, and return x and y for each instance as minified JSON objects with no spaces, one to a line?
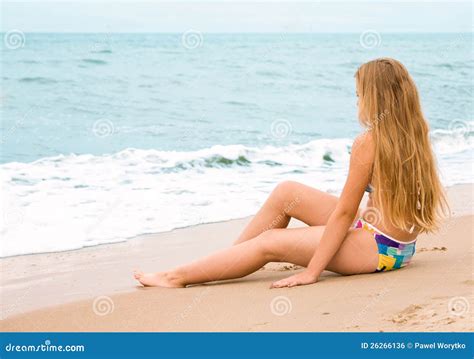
{"x":241,"y":16}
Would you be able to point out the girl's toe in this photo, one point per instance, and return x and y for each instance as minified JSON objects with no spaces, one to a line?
{"x":137,"y":274}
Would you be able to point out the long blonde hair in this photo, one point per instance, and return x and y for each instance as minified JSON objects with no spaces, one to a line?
{"x":407,"y":189}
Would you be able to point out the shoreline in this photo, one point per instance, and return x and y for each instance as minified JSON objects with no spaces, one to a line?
{"x":37,"y":288}
{"x":462,"y":209}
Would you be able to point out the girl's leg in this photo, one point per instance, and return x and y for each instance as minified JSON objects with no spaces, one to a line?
{"x":290,"y":199}
{"x":358,"y":254}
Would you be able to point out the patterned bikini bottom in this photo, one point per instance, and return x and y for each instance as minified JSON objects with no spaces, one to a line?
{"x":393,"y":254}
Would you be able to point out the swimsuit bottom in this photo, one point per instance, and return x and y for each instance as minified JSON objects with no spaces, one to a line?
{"x":393,"y":254}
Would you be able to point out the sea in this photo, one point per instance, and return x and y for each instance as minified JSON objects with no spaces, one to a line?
{"x":105,"y":137}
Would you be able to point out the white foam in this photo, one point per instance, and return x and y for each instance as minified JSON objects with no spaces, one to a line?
{"x":68,"y":202}
{"x":453,"y":141}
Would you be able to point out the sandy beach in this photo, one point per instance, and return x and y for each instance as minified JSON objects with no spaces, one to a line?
{"x":92,"y":289}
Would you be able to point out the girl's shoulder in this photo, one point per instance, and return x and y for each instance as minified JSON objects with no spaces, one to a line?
{"x":364,"y":145}
{"x":363,"y":154}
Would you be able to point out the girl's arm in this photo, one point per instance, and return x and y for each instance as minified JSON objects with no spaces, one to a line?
{"x":361,"y":161}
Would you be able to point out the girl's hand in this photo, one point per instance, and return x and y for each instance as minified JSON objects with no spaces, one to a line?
{"x":302,"y":278}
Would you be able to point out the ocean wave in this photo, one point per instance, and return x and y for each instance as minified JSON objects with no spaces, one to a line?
{"x":105,"y":51}
{"x":90,"y":199}
{"x":269,"y":74}
{"x":30,"y":62}
{"x":95,"y":61}
{"x":459,"y":137}
{"x":239,"y":103}
{"x":455,"y":65}
{"x":316,"y":153}
{"x":72,"y":201}
{"x":446,"y":65}
{"x":350,"y":64}
{"x":38,"y":80}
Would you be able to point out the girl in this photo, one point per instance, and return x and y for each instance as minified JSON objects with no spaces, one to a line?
{"x":392,"y":160}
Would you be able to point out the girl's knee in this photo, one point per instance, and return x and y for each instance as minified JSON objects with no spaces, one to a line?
{"x":268,"y":245}
{"x":285,"y":187}
{"x":286,"y":192}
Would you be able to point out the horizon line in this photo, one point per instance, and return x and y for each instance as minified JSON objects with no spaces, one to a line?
{"x":239,"y":33}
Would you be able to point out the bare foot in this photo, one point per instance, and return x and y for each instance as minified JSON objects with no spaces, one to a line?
{"x":159,"y":279}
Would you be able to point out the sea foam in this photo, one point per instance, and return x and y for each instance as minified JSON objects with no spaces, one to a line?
{"x":72,"y":201}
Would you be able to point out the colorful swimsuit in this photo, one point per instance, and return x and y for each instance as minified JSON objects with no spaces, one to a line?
{"x":392,"y":253}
